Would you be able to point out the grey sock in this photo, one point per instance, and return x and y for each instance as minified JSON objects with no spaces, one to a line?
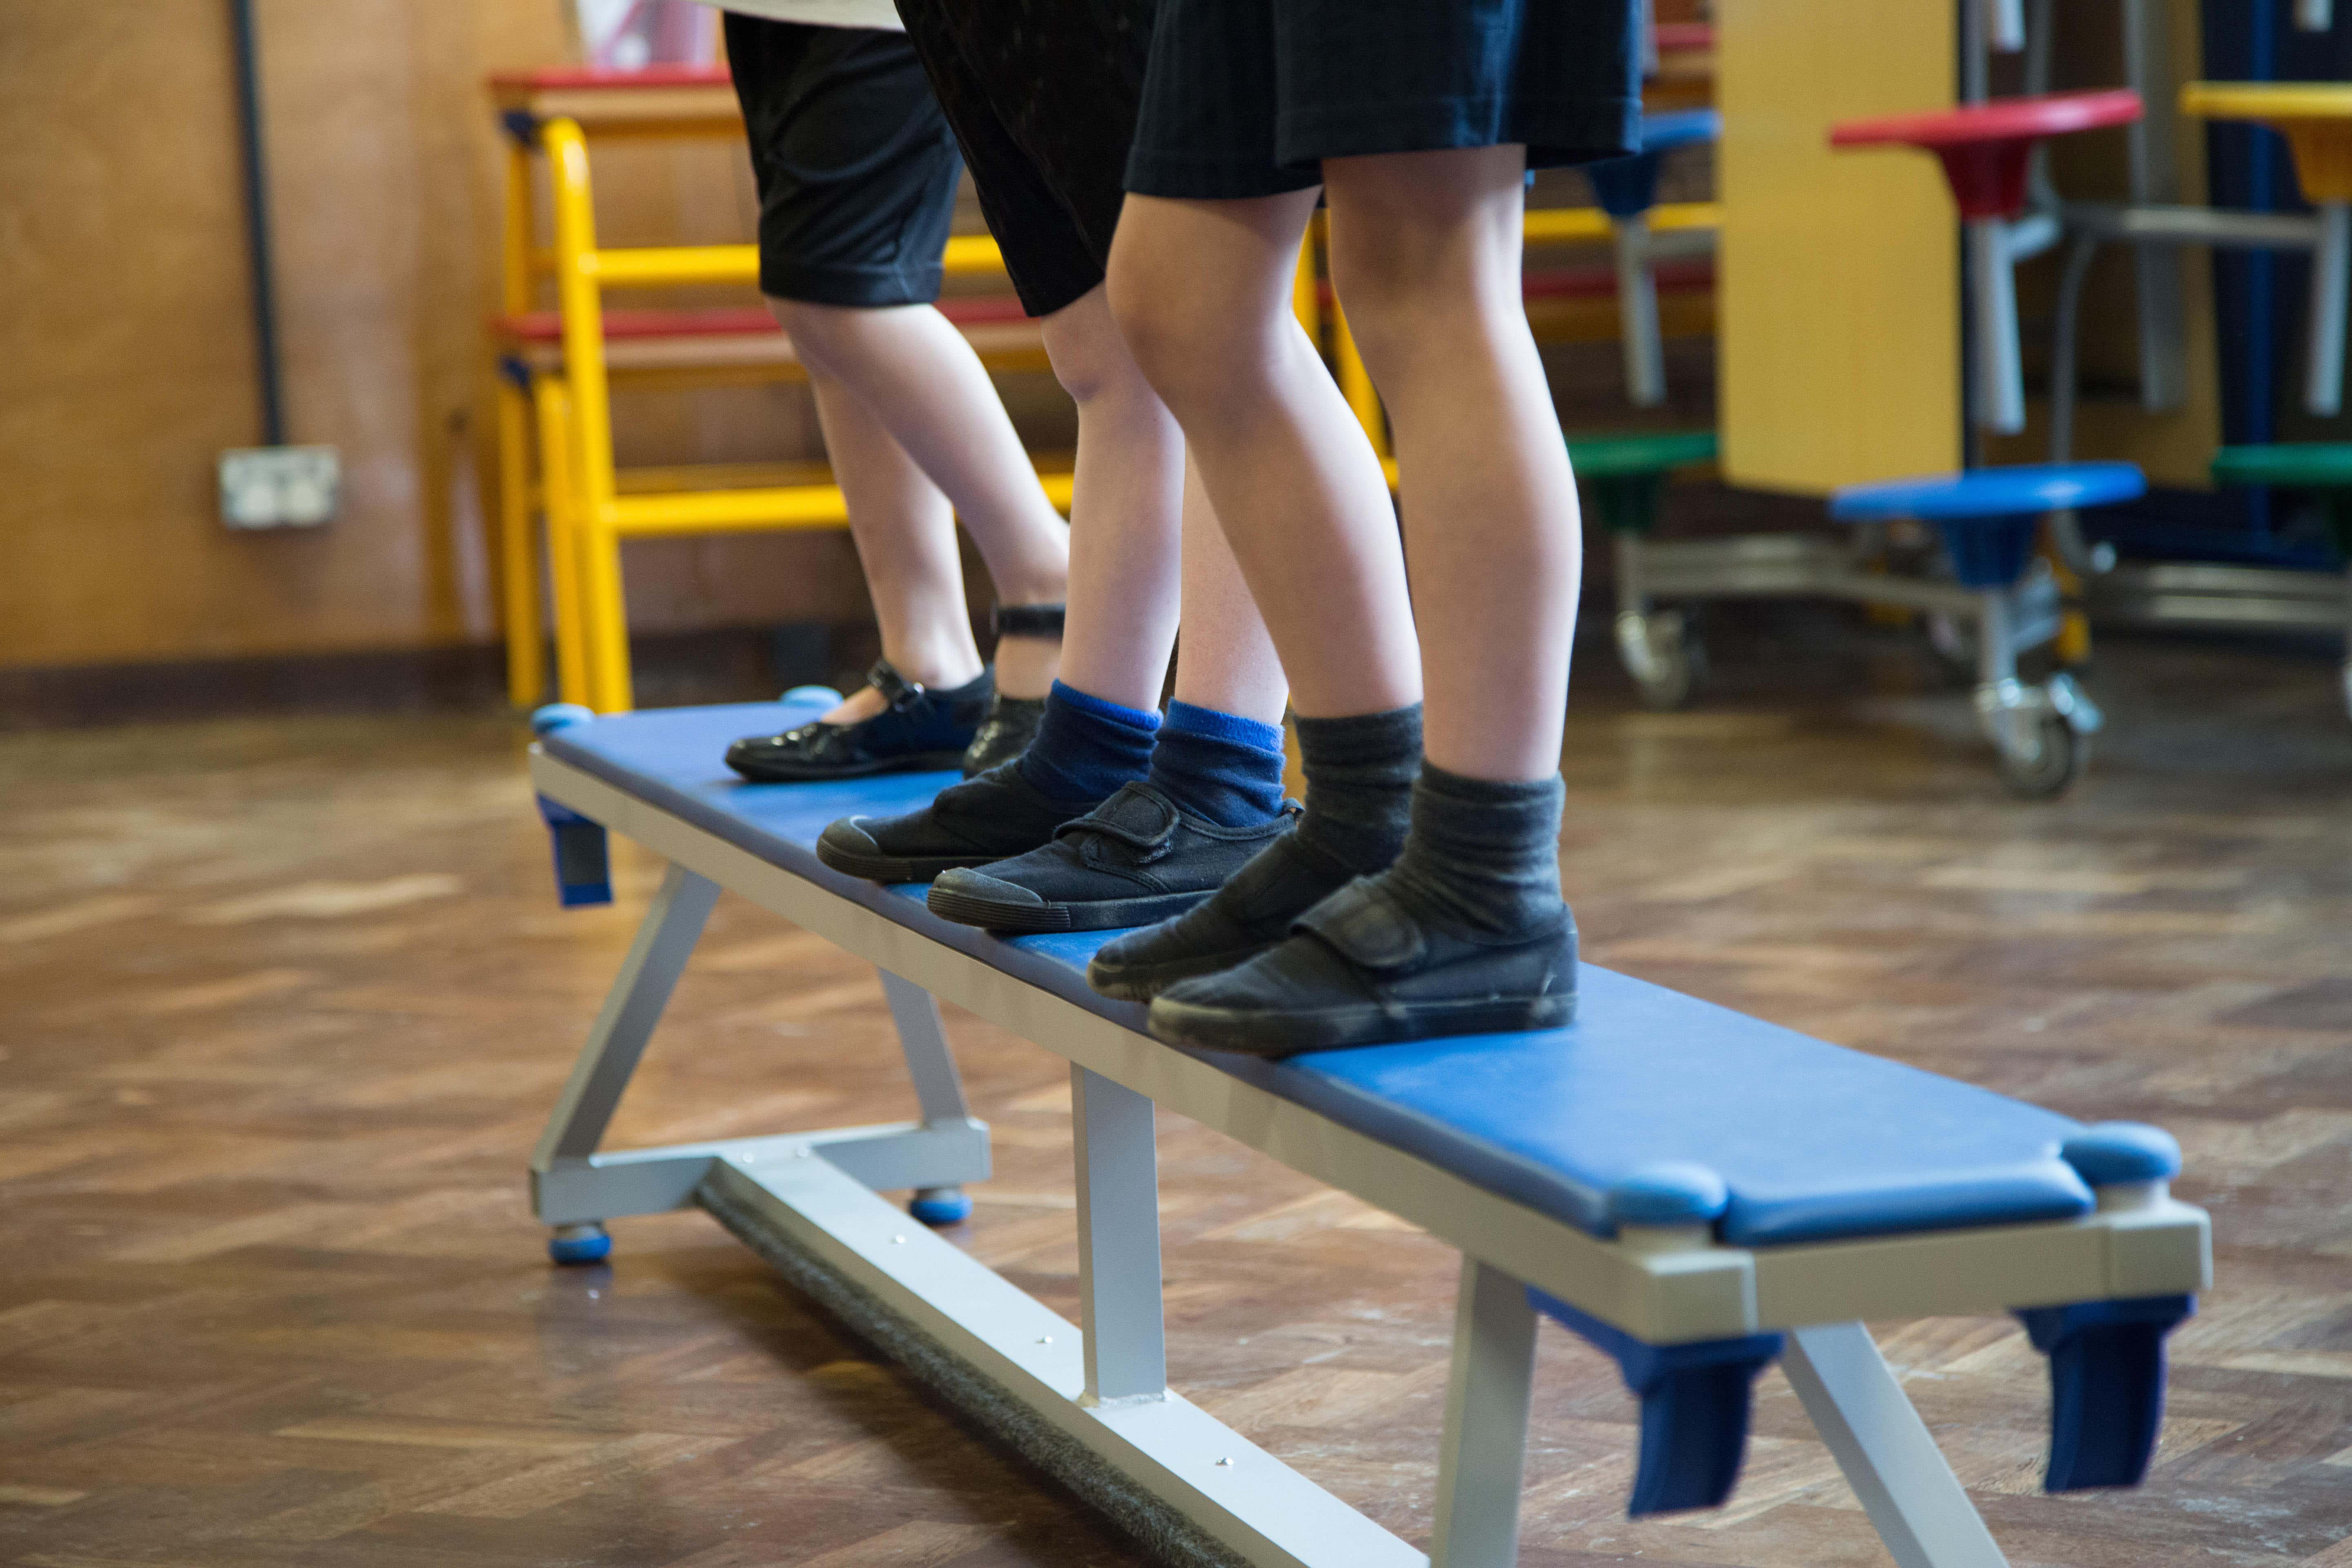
{"x":1360,"y":774}
{"x":1483,"y":856}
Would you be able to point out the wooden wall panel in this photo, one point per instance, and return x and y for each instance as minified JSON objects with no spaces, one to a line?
{"x":127,"y":345}
{"x":1839,"y":275}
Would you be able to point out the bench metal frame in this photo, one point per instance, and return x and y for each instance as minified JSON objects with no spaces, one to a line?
{"x":1093,"y":1401}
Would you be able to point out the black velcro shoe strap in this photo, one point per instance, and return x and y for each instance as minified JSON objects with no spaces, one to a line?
{"x":1138,"y":817}
{"x":1364,"y":924}
{"x":1029,"y":620}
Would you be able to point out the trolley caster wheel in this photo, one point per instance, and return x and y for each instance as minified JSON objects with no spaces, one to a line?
{"x":941,"y":1205}
{"x":1662,"y":653}
{"x":2046,"y":761}
{"x":577,"y":1244}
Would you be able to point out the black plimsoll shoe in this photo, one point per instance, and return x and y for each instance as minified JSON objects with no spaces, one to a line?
{"x":920,"y":730}
{"x":1012,"y":723}
{"x":992,"y":817}
{"x":1251,"y":912}
{"x":1136,"y":857}
{"x":1361,"y":969}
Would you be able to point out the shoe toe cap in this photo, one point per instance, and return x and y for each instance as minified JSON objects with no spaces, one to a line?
{"x":983,"y":888}
{"x":849,"y":837}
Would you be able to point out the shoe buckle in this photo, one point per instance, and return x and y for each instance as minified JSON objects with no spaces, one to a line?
{"x":897,"y":690}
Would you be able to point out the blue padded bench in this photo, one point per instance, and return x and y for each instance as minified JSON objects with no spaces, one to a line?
{"x":1695,"y":1191}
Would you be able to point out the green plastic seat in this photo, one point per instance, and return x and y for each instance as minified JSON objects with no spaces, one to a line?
{"x":2302,"y":465}
{"x":2323,"y":466}
{"x":1626,"y":474}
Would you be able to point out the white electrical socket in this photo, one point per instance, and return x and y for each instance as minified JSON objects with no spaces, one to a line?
{"x":279,"y":487}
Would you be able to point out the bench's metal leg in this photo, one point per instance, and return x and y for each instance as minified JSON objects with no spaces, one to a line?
{"x":939,"y":1088}
{"x":632,"y":1009}
{"x":1484,"y":1461}
{"x":1921,"y":1512}
{"x":1119,"y":1241}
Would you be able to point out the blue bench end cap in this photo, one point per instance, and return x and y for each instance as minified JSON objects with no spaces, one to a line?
{"x":559,"y":716}
{"x":2115,"y":1152}
{"x":1672,"y":1192}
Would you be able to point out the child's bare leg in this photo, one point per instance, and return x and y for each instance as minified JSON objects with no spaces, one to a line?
{"x":1124,"y":511}
{"x":1425,"y":255}
{"x":1129,"y":577}
{"x":1076,"y":843}
{"x":905,"y":533}
{"x":1202,"y":292}
{"x":1225,"y":661}
{"x":925,"y":386}
{"x":1465,"y":932}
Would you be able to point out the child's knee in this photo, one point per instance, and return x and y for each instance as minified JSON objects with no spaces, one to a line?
{"x":1089,"y":357}
{"x":1172,"y":332}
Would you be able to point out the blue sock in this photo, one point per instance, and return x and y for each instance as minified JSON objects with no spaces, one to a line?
{"x":1220,"y":766}
{"x":1086,"y":748}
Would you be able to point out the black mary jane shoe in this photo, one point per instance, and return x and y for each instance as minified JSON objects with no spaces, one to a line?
{"x":1012,"y":723}
{"x":1362,"y":969}
{"x":1136,"y":857}
{"x":919,"y":730}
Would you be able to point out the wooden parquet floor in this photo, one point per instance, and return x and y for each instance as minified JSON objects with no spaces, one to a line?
{"x":282,"y":1006}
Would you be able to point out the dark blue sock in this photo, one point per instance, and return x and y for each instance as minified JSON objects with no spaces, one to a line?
{"x":1086,"y":748}
{"x":1219,"y":766}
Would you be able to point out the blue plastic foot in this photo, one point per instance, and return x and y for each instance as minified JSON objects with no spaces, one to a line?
{"x":574,"y":1244}
{"x":1694,"y":1407}
{"x":941,"y":1205}
{"x":583,"y":864}
{"x":2106,"y":1385}
{"x":583,"y":869}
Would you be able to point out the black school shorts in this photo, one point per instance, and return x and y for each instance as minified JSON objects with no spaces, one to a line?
{"x":1246,"y":97}
{"x":1043,"y":95}
{"x":857,"y":168}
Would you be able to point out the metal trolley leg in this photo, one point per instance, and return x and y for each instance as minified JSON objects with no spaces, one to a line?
{"x":1484,"y":1461}
{"x":1920,"y":1508}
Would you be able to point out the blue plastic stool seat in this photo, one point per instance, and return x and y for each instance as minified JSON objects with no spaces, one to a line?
{"x":1628,"y":186}
{"x":1988,"y":515}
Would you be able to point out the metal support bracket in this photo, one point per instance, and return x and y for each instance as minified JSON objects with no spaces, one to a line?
{"x":1921,"y":1510}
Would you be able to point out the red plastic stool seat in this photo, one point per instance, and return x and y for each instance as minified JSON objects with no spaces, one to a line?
{"x":1985,"y":146}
